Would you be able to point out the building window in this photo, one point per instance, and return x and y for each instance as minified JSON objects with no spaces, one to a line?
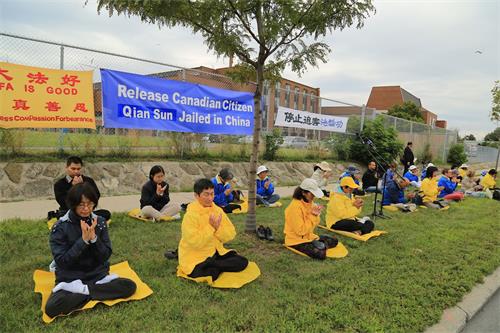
{"x":266,"y":88}
{"x":287,"y":95}
{"x":296,"y":98}
{"x":304,"y":100}
{"x":277,"y":88}
{"x":313,"y":104}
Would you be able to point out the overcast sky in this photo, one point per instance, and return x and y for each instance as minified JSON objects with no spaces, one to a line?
{"x":427,"y":47}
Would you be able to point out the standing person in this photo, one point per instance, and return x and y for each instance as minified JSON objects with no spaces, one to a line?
{"x":343,"y":207}
{"x":225,"y":193}
{"x":81,"y":248}
{"x":412,"y":176}
{"x":74,"y":176}
{"x":155,"y":198}
{"x":322,"y":173}
{"x":370,"y":179}
{"x":264,"y":188}
{"x":301,"y":218}
{"x":429,"y":189}
{"x":205,"y":228}
{"x":408,"y":157}
{"x":449,"y":183}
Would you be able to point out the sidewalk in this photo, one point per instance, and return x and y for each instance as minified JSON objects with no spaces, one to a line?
{"x":37,"y":209}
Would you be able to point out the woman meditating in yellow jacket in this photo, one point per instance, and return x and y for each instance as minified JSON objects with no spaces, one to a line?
{"x":302,"y":217}
{"x":489,"y":180}
{"x":343,"y":208}
{"x":429,"y":189}
{"x":205,"y":228}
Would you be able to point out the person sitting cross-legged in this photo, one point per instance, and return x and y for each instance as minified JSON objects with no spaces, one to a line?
{"x":205,"y":228}
{"x":155,"y":199}
{"x":412,"y":176}
{"x":449,"y":183}
{"x":264,"y":188}
{"x":301,"y":218}
{"x":429,"y":190}
{"x":394,"y":195}
{"x":343,"y":207}
{"x":81,"y":248}
{"x":226,"y":196}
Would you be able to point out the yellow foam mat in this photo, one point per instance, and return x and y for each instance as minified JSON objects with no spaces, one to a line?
{"x":243,"y":210}
{"x":339,"y":251}
{"x":53,"y":220}
{"x":422,"y":206}
{"x":363,"y":238}
{"x":136,"y":214}
{"x":391,"y":208}
{"x":445,"y":208}
{"x":228,"y":279}
{"x":45,"y":281}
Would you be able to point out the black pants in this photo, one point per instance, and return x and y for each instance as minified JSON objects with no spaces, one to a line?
{"x":217,"y":264}
{"x":64,"y":302}
{"x":312,"y":251}
{"x":228,"y":209}
{"x":353,"y":225}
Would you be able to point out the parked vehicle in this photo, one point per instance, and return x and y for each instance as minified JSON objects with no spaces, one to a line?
{"x":294,"y":142}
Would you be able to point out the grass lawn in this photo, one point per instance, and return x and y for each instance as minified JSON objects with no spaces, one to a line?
{"x":399,"y":282}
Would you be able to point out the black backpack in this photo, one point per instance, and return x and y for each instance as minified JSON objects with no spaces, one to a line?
{"x":496,"y":195}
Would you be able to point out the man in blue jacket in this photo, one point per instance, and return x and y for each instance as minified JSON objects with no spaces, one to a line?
{"x":265,"y":189}
{"x":394,"y":195}
{"x":225,"y":195}
{"x":449,"y":184}
{"x":412,"y":176}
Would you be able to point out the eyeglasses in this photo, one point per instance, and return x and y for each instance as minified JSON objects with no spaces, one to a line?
{"x":89,"y":205}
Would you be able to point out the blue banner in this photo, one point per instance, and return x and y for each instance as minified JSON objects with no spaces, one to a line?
{"x":144,"y":102}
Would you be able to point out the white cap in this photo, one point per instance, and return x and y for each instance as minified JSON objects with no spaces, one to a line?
{"x":464,"y":166}
{"x":324,"y":166}
{"x":412,"y":167}
{"x":430,"y":164}
{"x":311,"y":185}
{"x":262,"y":168}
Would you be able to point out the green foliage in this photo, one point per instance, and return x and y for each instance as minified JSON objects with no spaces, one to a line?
{"x":385,"y":140}
{"x":493,"y":136}
{"x":12,"y":141}
{"x":456,"y":154}
{"x":425,"y":156}
{"x":408,"y":110}
{"x":495,"y":104}
{"x":470,"y":137}
{"x":340,"y":144}
{"x":272,"y":141}
{"x":423,"y":261}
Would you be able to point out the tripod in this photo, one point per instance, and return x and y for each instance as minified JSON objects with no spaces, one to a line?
{"x":372,"y":150}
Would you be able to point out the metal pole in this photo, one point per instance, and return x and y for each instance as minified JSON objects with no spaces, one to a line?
{"x":498,"y":155}
{"x":363,"y":113}
{"x":444,"y":146}
{"x":61,"y":131}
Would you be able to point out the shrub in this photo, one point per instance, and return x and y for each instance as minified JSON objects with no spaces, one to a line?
{"x":12,"y":141}
{"x":456,"y":155}
{"x":272,"y":140}
{"x":425,"y":156}
{"x":340,"y":146}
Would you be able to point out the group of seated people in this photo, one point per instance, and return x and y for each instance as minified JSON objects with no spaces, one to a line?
{"x":81,"y":247}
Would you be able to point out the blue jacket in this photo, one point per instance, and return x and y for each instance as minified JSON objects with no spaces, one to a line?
{"x":424,"y":173}
{"x":411,"y":177}
{"x":393,"y":194}
{"x":220,"y":198}
{"x":261,"y":190}
{"x":348,"y":174}
{"x":449,"y":186}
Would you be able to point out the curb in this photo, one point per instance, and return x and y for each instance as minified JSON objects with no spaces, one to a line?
{"x":454,"y":319}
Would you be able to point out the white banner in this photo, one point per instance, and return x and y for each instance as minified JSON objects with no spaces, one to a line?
{"x":301,"y":119}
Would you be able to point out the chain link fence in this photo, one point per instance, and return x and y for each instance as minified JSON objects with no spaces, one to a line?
{"x":123,"y":142}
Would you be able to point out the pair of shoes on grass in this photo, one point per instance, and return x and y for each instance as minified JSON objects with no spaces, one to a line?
{"x":264,"y":233}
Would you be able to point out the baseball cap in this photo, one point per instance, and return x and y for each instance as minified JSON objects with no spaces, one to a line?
{"x":412,"y":167}
{"x":311,"y":185}
{"x":348,"y":181}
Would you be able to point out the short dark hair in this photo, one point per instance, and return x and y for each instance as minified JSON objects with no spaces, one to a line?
{"x":430,"y":171}
{"x":225,"y":174}
{"x":316,"y":168}
{"x":492,"y":172}
{"x":155,"y":170}
{"x":74,"y":160}
{"x":202,"y":184}
{"x":445,"y":171}
{"x":299,"y":194}
{"x":409,"y":143}
{"x":77,"y":192}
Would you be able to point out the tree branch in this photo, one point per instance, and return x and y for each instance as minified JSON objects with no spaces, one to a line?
{"x":246,"y":25}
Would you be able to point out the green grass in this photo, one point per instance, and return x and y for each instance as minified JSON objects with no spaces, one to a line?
{"x":399,"y":282}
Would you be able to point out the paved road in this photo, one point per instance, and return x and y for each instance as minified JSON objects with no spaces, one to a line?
{"x":488,"y":319}
{"x":37,"y":209}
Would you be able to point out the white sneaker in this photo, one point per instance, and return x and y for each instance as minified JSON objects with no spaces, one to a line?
{"x":176,"y":216}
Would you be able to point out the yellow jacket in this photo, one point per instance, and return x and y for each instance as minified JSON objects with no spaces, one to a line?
{"x":429,"y":189}
{"x":199,"y":240}
{"x":488,"y":182}
{"x":299,"y":223}
{"x":462,"y":173}
{"x":340,"y":207}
